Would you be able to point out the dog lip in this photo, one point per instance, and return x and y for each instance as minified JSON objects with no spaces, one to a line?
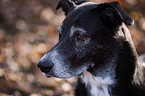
{"x":47,"y":75}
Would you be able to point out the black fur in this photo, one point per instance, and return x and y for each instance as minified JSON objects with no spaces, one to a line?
{"x":108,"y":39}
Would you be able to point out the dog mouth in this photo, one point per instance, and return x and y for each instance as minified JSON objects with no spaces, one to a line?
{"x":50,"y":76}
{"x":47,"y":75}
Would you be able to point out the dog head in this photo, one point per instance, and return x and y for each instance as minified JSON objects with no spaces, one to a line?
{"x":87,"y":38}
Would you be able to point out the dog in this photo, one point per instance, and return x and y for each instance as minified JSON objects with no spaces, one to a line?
{"x":95,"y":46}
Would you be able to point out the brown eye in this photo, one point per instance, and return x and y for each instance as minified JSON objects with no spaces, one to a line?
{"x":81,"y":35}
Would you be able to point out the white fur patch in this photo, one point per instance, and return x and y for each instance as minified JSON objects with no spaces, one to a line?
{"x":98,"y":86}
{"x":75,"y":29}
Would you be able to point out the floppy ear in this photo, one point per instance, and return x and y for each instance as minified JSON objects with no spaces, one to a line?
{"x":67,"y":6}
{"x":112,"y":15}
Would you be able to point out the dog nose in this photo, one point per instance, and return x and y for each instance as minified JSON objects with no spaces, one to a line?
{"x":45,"y":66}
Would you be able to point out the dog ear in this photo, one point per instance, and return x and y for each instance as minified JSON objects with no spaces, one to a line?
{"x":112,"y":15}
{"x":67,"y":6}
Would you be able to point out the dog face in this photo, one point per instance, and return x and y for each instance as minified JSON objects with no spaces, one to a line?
{"x":86,"y":39}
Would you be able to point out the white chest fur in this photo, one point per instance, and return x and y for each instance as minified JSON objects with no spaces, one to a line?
{"x":97,"y":86}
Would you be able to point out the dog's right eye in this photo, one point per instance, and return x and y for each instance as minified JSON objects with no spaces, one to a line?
{"x":81,"y":35}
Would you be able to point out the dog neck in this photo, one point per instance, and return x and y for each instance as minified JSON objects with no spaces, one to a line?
{"x":115,"y":78}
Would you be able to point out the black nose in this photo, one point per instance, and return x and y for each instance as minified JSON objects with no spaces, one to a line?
{"x":45,"y":66}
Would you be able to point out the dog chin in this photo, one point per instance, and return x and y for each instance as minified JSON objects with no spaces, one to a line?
{"x":63,"y":77}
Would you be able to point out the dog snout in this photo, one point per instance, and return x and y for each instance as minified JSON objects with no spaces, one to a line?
{"x":45,"y":66}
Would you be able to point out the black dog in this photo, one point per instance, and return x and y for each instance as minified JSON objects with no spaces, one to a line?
{"x":95,"y":45}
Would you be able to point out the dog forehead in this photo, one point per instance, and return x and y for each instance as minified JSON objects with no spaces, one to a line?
{"x":76,"y":14}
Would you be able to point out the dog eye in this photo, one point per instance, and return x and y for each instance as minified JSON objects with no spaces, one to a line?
{"x":81,"y":35}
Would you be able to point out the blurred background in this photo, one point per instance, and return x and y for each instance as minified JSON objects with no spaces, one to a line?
{"x":28,"y":29}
